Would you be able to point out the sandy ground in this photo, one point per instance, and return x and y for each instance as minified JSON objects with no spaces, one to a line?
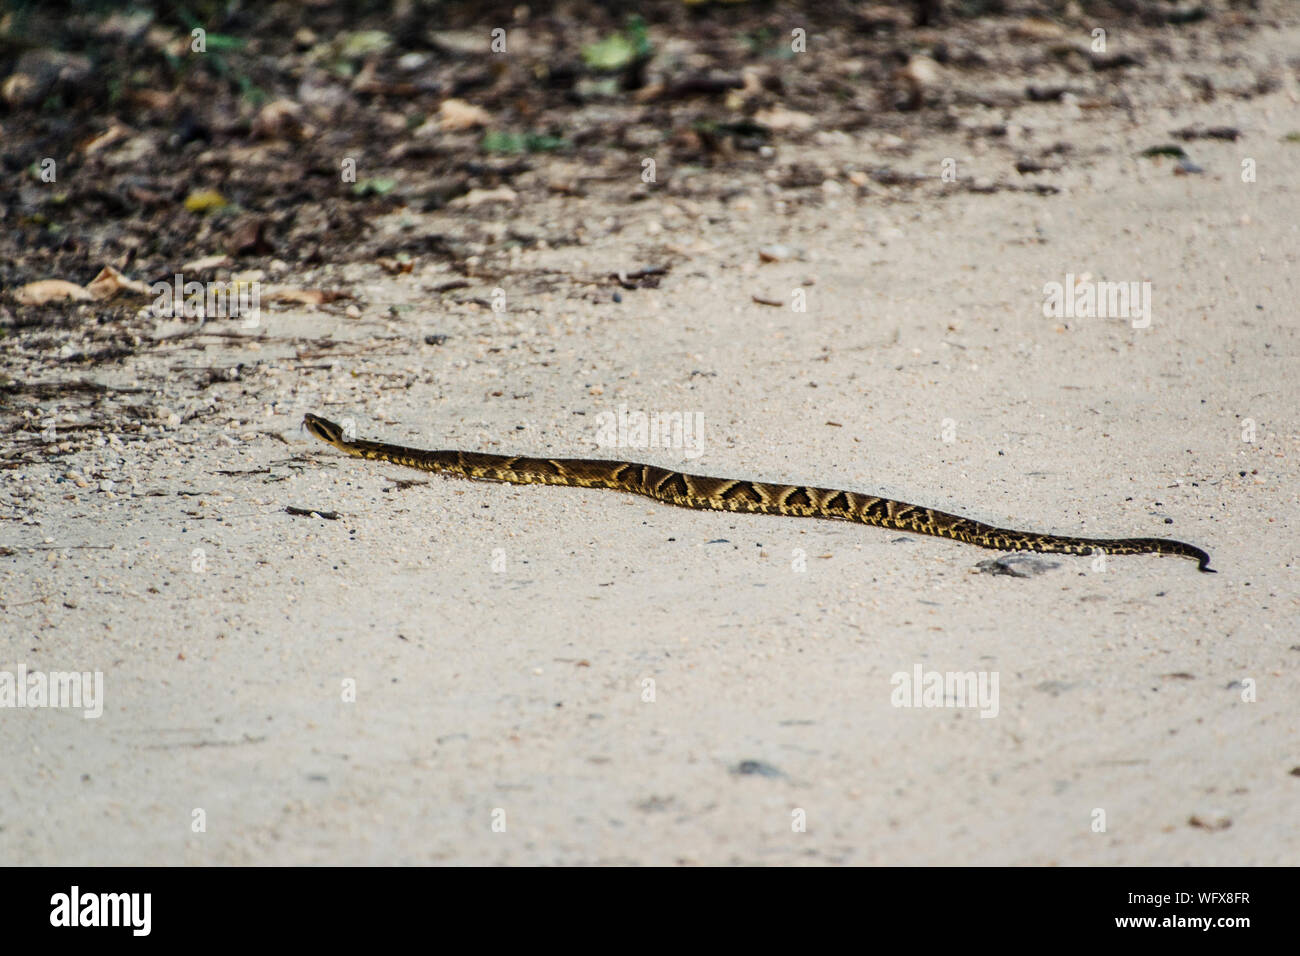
{"x":553,"y":675}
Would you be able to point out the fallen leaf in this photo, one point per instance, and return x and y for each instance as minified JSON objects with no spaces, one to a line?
{"x":476,"y":197}
{"x":206,"y":263}
{"x":375,"y":186}
{"x":249,"y":236}
{"x":1034,"y":28}
{"x":107,"y":138}
{"x":612,"y":53}
{"x":920,"y":77}
{"x":455,"y":115}
{"x":110,"y":282}
{"x":50,"y":290}
{"x":153,"y":99}
{"x":205,"y":200}
{"x":302,"y":296}
{"x":780,"y":120}
{"x":295,"y":296}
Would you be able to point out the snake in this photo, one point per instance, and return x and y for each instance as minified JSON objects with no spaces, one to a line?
{"x":738,"y":495}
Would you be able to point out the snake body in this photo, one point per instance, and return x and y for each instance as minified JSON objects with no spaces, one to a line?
{"x":731,"y":494}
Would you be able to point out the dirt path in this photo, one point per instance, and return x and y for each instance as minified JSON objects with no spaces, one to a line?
{"x":616,"y":681}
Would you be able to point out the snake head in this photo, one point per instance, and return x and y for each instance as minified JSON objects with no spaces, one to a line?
{"x":324,"y":429}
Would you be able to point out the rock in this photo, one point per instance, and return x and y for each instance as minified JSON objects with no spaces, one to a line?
{"x":747,"y":768}
{"x":38,"y":72}
{"x":1016,"y":566}
{"x":919,"y":81}
{"x":775,"y":253}
{"x":281,"y":119}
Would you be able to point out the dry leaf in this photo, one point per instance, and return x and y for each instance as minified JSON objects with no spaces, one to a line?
{"x":205,"y":200}
{"x":780,"y":120}
{"x":1034,"y":28}
{"x":456,"y":115}
{"x":153,"y":99}
{"x":50,"y":290}
{"x":110,"y":282}
{"x":302,"y":296}
{"x":107,"y":138}
{"x":249,"y":236}
{"x":206,"y":263}
{"x":295,"y":296}
{"x":918,"y":79}
{"x":476,"y":197}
